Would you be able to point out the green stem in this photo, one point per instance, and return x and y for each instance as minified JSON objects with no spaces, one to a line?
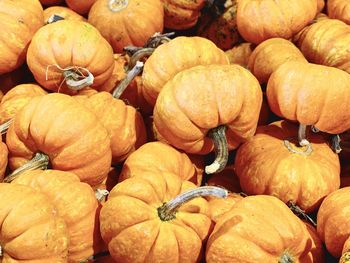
{"x":5,"y":126}
{"x":39,"y":161}
{"x":302,"y":135}
{"x":307,"y":151}
{"x":168,"y":210}
{"x":221,"y":149}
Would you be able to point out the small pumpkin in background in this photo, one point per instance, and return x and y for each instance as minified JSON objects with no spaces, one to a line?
{"x":240,"y":54}
{"x":181,"y":14}
{"x":20,"y":20}
{"x":260,"y":20}
{"x":339,"y":9}
{"x":237,"y":234}
{"x":61,"y":11}
{"x":82,"y":7}
{"x":41,"y":236}
{"x":270,"y":54}
{"x":120,"y":21}
{"x":160,"y":157}
{"x":16,"y":98}
{"x":66,"y":63}
{"x":76,"y":203}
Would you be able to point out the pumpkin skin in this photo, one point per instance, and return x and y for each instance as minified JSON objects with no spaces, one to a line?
{"x":142,"y":236}
{"x":220,"y":206}
{"x":271,"y":54}
{"x":62,"y":11}
{"x":264,"y":165}
{"x":169,"y":59}
{"x":204,"y":97}
{"x":309,"y":93}
{"x":240,"y":54}
{"x":159,"y":157}
{"x":237,"y":234}
{"x":19,"y":21}
{"x":76,"y":203}
{"x":80,"y":6}
{"x":181,"y":14}
{"x":325,"y":42}
{"x":41,"y":236}
{"x":82,"y":148}
{"x":54,"y":45}
{"x":17,"y":98}
{"x":339,"y":9}
{"x":333,"y":226}
{"x":133,"y":24}
{"x":261,"y":20}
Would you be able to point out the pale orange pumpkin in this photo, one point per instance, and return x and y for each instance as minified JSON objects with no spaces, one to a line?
{"x":339,"y":9}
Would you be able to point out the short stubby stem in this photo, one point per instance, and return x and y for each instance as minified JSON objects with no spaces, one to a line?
{"x":302,"y":135}
{"x":101,"y":194}
{"x":335,"y":143}
{"x":54,"y":18}
{"x":39,"y":161}
{"x":5,"y":126}
{"x":218,"y":135}
{"x":117,"y":5}
{"x":168,"y":210}
{"x":1,"y":252}
{"x":286,"y":258}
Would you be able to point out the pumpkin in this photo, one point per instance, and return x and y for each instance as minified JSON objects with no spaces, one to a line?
{"x":271,"y":163}
{"x":17,"y":98}
{"x":339,"y":9}
{"x":320,"y":5}
{"x":158,"y":228}
{"x":237,"y":235}
{"x":41,"y":235}
{"x":261,"y":20}
{"x":270,"y":54}
{"x":170,"y":58}
{"x":50,"y":2}
{"x":159,"y":157}
{"x":59,"y":61}
{"x":127,"y":22}
{"x":219,"y":206}
{"x":181,"y":14}
{"x":222,"y":30}
{"x":333,"y":225}
{"x":309,"y":93}
{"x":80,"y":6}
{"x":325,"y":42}
{"x":194,"y":109}
{"x":60,"y":129}
{"x":76,"y":203}
{"x":20,"y":20}
{"x":240,"y":54}
{"x":62,"y":11}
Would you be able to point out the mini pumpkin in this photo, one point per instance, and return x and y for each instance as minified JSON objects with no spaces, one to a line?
{"x":127,"y":22}
{"x":20,"y":20}
{"x":339,"y":9}
{"x":66,"y":63}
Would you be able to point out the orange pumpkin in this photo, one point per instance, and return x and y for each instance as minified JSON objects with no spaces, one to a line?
{"x":270,"y":54}
{"x":208,"y":99}
{"x":181,"y":14}
{"x":333,"y":225}
{"x":80,"y":6}
{"x":62,"y":11}
{"x":339,"y":9}
{"x":261,"y":20}
{"x":271,"y":163}
{"x":170,"y":58}
{"x":45,"y":125}
{"x":160,"y":157}
{"x":120,"y":21}
{"x":237,"y":236}
{"x":41,"y":235}
{"x":17,"y":98}
{"x":309,"y":94}
{"x":152,"y":232}
{"x":219,"y":206}
{"x":58,"y":60}
{"x":20,"y":20}
{"x":240,"y":54}
{"x":76,"y":203}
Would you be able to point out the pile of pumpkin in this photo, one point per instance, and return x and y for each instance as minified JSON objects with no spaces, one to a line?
{"x":175,"y":131}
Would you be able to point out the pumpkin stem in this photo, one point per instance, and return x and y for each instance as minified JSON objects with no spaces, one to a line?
{"x":39,"y":161}
{"x":168,"y":210}
{"x":345,"y":258}
{"x":101,"y":194}
{"x":286,"y":258}
{"x":118,"y":91}
{"x":300,"y":213}
{"x":96,"y":257}
{"x":335,"y":143}
{"x":1,"y":252}
{"x":302,"y":135}
{"x":76,"y":79}
{"x":139,"y":55}
{"x":54,"y":18}
{"x":117,"y":5}
{"x":314,"y":129}
{"x":5,"y":126}
{"x":157,"y":39}
{"x":221,"y":150}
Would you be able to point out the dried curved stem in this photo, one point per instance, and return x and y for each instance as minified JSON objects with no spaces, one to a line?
{"x":96,"y":257}
{"x":39,"y":161}
{"x":76,"y":80}
{"x":221,"y":149}
{"x":139,"y":55}
{"x":168,"y":210}
{"x":157,"y":39}
{"x":300,"y":213}
{"x":335,"y":143}
{"x":117,"y":5}
{"x":307,"y":151}
{"x":101,"y":194}
{"x":5,"y":126}
{"x":302,"y":135}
